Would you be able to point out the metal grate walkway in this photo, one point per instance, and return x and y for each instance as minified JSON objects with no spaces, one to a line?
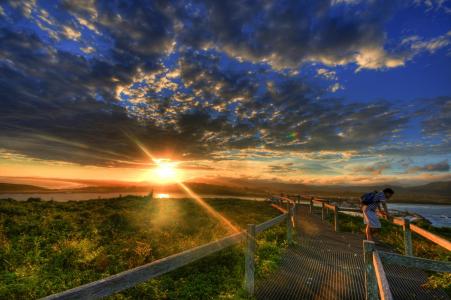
{"x":329,"y":265}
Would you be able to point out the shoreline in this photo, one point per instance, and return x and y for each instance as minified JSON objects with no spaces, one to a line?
{"x":220,"y":195}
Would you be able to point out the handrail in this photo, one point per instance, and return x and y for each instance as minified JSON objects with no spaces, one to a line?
{"x":121,"y":281}
{"x":426,"y":234}
{"x":415,"y":262}
{"x":268,"y":224}
{"x":350,"y":209}
{"x":129,"y":278}
{"x":375,"y":278}
{"x":382,"y":282}
{"x":332,"y":207}
{"x":432,"y":237}
{"x":319,"y":200}
{"x":412,"y":227}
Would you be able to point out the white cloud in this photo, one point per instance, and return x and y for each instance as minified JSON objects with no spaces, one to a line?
{"x":71,"y":33}
{"x":328,"y":74}
{"x":88,"y":49}
{"x":377,"y":58}
{"x":431,"y":45}
{"x":335,"y":87}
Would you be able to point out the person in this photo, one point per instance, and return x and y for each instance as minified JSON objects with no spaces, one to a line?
{"x":370,"y":203}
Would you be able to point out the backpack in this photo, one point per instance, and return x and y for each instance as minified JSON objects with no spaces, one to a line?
{"x":368,"y":198}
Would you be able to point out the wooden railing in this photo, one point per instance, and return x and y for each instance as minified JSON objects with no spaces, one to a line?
{"x":408,"y":228}
{"x":127,"y":279}
{"x":376,"y":282}
{"x":325,"y":207}
{"x":404,"y":222}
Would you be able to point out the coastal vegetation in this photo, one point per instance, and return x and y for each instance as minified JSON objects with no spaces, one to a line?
{"x":48,"y":247}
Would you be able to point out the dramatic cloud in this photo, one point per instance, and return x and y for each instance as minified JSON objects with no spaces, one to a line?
{"x":203,"y":80}
{"x":375,"y":169}
{"x":442,"y":166}
{"x":437,"y":117}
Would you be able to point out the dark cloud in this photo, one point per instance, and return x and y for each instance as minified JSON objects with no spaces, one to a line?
{"x":288,"y":33}
{"x":442,"y":166}
{"x":437,"y":116}
{"x":172,"y":76}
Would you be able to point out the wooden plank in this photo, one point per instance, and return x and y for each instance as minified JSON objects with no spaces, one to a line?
{"x":336,"y":227}
{"x":281,"y":209}
{"x":249,"y":280}
{"x":330,"y":206}
{"x":286,"y":199}
{"x":432,"y":237}
{"x":382,"y":282}
{"x":289,"y":226}
{"x":370,"y":276}
{"x":350,"y":209}
{"x":398,"y":221}
{"x":415,"y":262}
{"x":293,"y":215}
{"x":408,"y":249}
{"x":320,"y":202}
{"x":263,"y":226}
{"x":124,"y":280}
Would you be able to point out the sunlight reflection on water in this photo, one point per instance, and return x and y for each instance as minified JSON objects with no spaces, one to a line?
{"x":162,"y":196}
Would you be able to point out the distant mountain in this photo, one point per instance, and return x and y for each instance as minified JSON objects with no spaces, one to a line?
{"x":17,"y":188}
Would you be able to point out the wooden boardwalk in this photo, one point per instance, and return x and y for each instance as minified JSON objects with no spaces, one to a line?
{"x":328,"y":265}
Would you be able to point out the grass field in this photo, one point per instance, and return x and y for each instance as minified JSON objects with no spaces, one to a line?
{"x":48,"y":247}
{"x":392,"y":236}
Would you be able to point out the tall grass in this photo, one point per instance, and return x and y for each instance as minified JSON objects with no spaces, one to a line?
{"x":48,"y":247}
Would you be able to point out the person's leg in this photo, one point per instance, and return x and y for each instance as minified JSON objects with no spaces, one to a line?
{"x":368,"y":231}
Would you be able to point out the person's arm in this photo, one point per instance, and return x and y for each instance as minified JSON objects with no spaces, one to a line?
{"x":387,"y":214}
{"x":379,"y":208}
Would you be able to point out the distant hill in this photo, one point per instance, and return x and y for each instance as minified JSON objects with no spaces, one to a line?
{"x":17,"y":188}
{"x":442,"y":188}
{"x":435,"y":192}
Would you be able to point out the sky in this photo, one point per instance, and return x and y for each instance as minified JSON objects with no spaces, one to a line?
{"x":314,"y":92}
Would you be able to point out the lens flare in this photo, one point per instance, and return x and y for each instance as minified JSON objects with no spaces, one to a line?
{"x":210,"y":210}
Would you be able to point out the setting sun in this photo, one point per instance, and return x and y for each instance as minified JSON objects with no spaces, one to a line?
{"x":165,"y":172}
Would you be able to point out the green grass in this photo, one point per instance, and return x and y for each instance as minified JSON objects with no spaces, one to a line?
{"x":392,"y":236}
{"x":48,"y":247}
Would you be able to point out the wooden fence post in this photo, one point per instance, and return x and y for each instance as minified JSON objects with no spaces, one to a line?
{"x":323,"y":213}
{"x":249,"y":259}
{"x":336,"y":219}
{"x":311,"y":204}
{"x":370,"y":276}
{"x":289,"y":227}
{"x":408,"y":249}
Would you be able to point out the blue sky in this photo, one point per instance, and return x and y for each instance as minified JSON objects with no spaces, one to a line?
{"x":324,"y":92}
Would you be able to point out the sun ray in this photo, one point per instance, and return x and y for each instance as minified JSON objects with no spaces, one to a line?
{"x":210,"y":210}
